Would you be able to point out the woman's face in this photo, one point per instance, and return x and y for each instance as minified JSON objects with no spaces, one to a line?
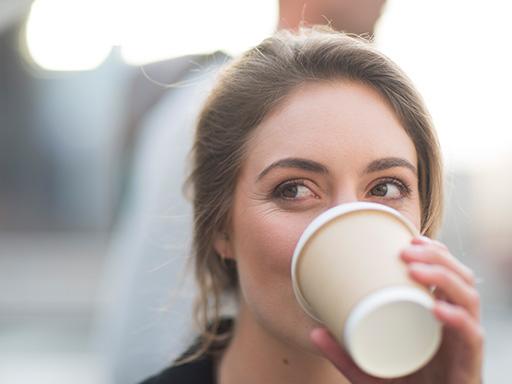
{"x":327,"y":144}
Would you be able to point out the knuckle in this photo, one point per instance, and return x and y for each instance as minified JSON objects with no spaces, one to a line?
{"x":479,"y":337}
{"x":471,"y":277}
{"x":446,"y":254}
{"x":474,"y":298}
{"x":461,"y":318}
{"x":441,"y":276}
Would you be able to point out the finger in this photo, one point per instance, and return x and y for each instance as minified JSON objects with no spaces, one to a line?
{"x":458,"y":319}
{"x":437,"y":253}
{"x":428,"y":240}
{"x":451,"y":284}
{"x":330,"y":349}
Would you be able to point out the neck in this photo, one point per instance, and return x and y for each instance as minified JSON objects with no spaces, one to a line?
{"x":255,"y":356}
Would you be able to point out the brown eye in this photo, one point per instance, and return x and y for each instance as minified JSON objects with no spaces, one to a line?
{"x":392,"y":190}
{"x":380,"y":190}
{"x":290,"y":191}
{"x":293,"y":190}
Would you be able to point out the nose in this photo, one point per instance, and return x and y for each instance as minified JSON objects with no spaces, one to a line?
{"x":345,"y":194}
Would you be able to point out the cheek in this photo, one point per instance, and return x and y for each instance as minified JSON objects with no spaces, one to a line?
{"x":264,"y":243}
{"x":263,"y":246}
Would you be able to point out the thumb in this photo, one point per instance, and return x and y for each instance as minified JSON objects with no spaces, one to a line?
{"x":330,"y":349}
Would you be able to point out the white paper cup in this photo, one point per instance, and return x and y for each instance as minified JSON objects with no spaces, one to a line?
{"x":347,"y":275}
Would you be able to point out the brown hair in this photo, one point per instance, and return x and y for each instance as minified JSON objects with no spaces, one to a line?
{"x":247,"y":90}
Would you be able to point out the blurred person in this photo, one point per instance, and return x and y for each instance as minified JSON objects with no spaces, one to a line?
{"x":292,"y":128}
{"x":352,"y":16}
{"x":143,"y":325}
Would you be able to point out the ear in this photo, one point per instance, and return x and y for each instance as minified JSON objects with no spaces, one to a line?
{"x":222,"y":245}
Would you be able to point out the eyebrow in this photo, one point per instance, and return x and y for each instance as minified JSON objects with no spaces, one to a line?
{"x":313,"y":166}
{"x":297,"y":163}
{"x":389,"y":162}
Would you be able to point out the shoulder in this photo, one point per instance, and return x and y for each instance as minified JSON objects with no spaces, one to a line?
{"x":199,"y":371}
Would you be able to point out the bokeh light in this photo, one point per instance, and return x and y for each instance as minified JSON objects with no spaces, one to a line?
{"x":68,"y":35}
{"x":458,"y":55}
{"x":153,"y":30}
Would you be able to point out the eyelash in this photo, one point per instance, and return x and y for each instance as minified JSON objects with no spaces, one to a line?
{"x":404,"y":188}
{"x":276,"y":193}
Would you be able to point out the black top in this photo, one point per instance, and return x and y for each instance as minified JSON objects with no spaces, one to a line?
{"x":199,"y":371}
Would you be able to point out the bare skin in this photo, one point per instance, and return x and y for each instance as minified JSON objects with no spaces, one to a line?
{"x":310,"y":154}
{"x":354,"y":16}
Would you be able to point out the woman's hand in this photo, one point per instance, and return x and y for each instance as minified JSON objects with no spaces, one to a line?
{"x":459,"y":358}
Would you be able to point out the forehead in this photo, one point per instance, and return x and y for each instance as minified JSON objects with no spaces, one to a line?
{"x":341,"y":123}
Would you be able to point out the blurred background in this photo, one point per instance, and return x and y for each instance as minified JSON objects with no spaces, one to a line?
{"x":79,"y":177}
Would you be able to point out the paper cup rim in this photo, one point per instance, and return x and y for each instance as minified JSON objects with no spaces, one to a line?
{"x":324,"y":218}
{"x":381,"y":298}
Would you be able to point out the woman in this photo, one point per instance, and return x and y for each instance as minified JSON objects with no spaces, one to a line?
{"x":297,"y":125}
